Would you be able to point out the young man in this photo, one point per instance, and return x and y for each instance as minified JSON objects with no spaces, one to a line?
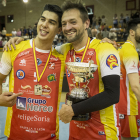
{"x":37,"y":71}
{"x":104,"y":87}
{"x":129,"y":83}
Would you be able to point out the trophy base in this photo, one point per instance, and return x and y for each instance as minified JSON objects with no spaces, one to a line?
{"x":71,"y":100}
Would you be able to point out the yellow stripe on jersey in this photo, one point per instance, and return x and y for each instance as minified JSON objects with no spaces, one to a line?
{"x":61,"y":57}
{"x":12,"y":54}
{"x":133,"y":126}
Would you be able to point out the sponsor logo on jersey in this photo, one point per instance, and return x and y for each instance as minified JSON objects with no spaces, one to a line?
{"x":26,"y":87}
{"x":101,"y":133}
{"x":68,"y":73}
{"x":22,"y":62}
{"x":20,"y":74}
{"x":29,"y":104}
{"x":51,"y":77}
{"x":23,"y":53}
{"x":138,"y":122}
{"x":121,"y":116}
{"x":46,"y":90}
{"x":52,"y":66}
{"x":78,"y":59}
{"x":39,"y":61}
{"x":53,"y":58}
{"x":112,"y":61}
{"x":90,"y":53}
{"x":133,"y":65}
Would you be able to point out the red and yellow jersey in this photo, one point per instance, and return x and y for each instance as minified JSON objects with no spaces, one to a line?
{"x":104,"y":122}
{"x":128,"y":103}
{"x":33,"y":117}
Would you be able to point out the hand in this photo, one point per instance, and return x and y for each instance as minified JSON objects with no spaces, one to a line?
{"x":106,"y":40}
{"x":8,"y":99}
{"x":66,"y":113}
{"x":13,"y":41}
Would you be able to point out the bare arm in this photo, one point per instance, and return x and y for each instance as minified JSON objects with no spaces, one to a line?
{"x":12,"y":41}
{"x":7,"y":99}
{"x":134,"y":83}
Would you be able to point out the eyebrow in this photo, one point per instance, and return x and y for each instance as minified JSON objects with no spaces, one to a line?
{"x":49,"y":19}
{"x":70,"y":20}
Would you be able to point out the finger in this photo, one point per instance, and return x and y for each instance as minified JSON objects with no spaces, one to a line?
{"x":7,"y":93}
{"x":19,"y":40}
{"x":9,"y":46}
{"x":14,"y":96}
{"x":13,"y":44}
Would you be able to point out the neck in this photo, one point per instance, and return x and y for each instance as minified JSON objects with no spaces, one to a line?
{"x":43,"y":44}
{"x":132,"y":39}
{"x":81,"y":42}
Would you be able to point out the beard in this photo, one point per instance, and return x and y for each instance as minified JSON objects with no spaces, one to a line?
{"x":78,"y":36}
{"x":137,"y":38}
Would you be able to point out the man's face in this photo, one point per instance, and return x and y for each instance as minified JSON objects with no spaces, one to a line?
{"x":72,"y":25}
{"x":137,"y":34}
{"x":47,"y":26}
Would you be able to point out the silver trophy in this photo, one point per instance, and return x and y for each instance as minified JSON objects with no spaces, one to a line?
{"x":82,"y":73}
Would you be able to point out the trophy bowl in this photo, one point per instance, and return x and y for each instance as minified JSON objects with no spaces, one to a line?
{"x":81,"y":71}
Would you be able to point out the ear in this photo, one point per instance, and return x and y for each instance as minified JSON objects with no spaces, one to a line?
{"x":59,"y":30}
{"x":86,"y":24}
{"x":132,"y":32}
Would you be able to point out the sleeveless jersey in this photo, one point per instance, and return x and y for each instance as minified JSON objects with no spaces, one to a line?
{"x":128,"y":103}
{"x":33,"y":117}
{"x":104,"y":122}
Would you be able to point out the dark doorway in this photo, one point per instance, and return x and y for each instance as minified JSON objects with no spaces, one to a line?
{"x":90,"y":10}
{"x":2,"y":22}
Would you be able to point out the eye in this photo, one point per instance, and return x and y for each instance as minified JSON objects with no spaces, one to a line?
{"x":63,"y":24}
{"x":42,"y":19}
{"x":73,"y":22}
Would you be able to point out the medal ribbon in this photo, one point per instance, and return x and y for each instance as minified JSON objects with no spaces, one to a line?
{"x":87,"y":45}
{"x":39,"y":77}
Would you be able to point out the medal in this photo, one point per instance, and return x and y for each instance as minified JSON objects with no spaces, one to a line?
{"x":38,"y":88}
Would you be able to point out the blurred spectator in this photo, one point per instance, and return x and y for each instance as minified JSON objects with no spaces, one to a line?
{"x":59,"y":42}
{"x":99,"y":35}
{"x":127,"y":18}
{"x":102,"y":27}
{"x":18,"y":33}
{"x":0,"y":36}
{"x":55,"y":40}
{"x":24,"y":31}
{"x":119,"y":36}
{"x":21,"y":29}
{"x":4,"y":41}
{"x":124,"y":35}
{"x":105,"y":33}
{"x":30,"y":32}
{"x":99,"y":21}
{"x":14,"y":32}
{"x":4,"y":32}
{"x":97,"y":26}
{"x":94,"y":32}
{"x":115,"y":21}
{"x":104,"y":20}
{"x":121,"y":20}
{"x":137,"y":14}
{"x":94,"y":20}
{"x":112,"y":35}
{"x":89,"y":32}
{"x":107,"y":28}
{"x":35,"y":31}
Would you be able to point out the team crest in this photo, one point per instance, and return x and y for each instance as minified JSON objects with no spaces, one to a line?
{"x":68,"y":73}
{"x":112,"y":61}
{"x":20,"y":74}
{"x":78,"y":59}
{"x":39,"y":61}
{"x":51,"y":77}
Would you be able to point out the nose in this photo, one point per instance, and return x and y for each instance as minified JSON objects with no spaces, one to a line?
{"x":45,"y":24}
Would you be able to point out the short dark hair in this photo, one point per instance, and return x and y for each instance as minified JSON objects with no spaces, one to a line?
{"x":56,"y":9}
{"x":77,"y":4}
{"x":132,"y":24}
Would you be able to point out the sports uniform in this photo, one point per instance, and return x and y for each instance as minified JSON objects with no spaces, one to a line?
{"x":103,"y":124}
{"x":128,"y":104}
{"x":33,"y":117}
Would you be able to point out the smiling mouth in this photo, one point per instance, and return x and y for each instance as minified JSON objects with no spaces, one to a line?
{"x":43,"y":33}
